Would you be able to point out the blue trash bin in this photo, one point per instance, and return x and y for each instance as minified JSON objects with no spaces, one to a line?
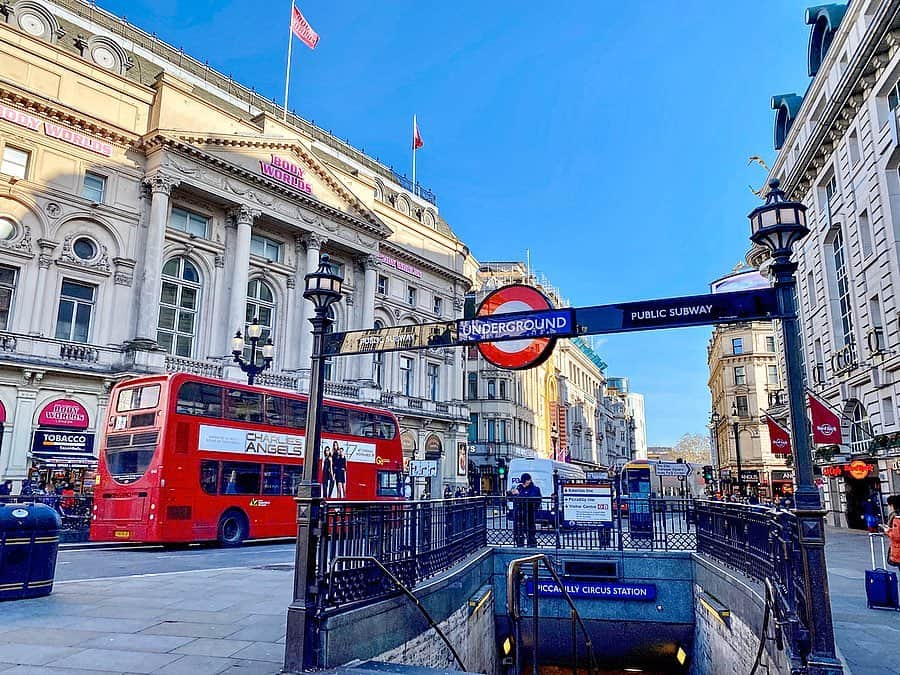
{"x":29,"y":542}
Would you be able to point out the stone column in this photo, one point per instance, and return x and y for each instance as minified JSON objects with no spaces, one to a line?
{"x":17,"y":451}
{"x":38,"y":318}
{"x":160,"y":186}
{"x":367,"y":313}
{"x":242,"y":218}
{"x":314,"y":243}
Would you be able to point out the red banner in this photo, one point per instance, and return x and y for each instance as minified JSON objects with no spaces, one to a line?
{"x":303,"y":30}
{"x":825,"y":423}
{"x":779,"y":438}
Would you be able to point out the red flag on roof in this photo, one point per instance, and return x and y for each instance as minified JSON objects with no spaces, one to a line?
{"x":779,"y":438}
{"x":825,"y":423}
{"x":303,"y":30}
{"x":417,"y":137}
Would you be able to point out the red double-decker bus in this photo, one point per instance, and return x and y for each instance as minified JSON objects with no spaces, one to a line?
{"x":188,"y":459}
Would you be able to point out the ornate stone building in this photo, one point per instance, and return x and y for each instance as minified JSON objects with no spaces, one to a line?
{"x":150,"y":207}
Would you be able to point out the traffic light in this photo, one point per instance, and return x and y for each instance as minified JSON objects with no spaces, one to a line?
{"x":708,"y":473}
{"x":501,"y":468}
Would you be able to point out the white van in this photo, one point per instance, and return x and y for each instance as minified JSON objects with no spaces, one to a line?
{"x":541,"y":471}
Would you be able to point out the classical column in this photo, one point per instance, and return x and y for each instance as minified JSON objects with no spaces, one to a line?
{"x":242,"y":218}
{"x":367,"y":313}
{"x":17,"y":451}
{"x":314,"y":243}
{"x":38,"y":318}
{"x":160,"y":186}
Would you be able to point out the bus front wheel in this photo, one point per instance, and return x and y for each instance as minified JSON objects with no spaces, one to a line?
{"x":232,"y":529}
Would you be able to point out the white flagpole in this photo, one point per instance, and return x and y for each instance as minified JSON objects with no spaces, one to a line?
{"x":414,"y":156}
{"x":287,"y":77}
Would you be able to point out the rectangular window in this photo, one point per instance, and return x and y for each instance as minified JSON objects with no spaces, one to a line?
{"x":772,"y":374}
{"x":743,"y":407}
{"x":203,"y":400}
{"x":15,"y":162}
{"x":740,"y":375}
{"x":138,"y":398}
{"x":411,"y":296}
{"x":243,"y":406}
{"x":190,"y":222}
{"x":378,"y":368}
{"x":382,"y":284}
{"x":438,"y":305}
{"x":492,"y":389}
{"x":491,"y":431}
{"x":240,"y":478}
{"x":811,"y":290}
{"x":336,"y":420}
{"x":407,"y":379}
{"x":843,"y":287}
{"x":291,"y":477}
{"x":502,"y":390}
{"x":831,"y":187}
{"x":853,"y":147}
{"x":265,"y":248}
{"x":433,"y":373}
{"x":770,"y":344}
{"x":472,"y":379}
{"x":209,"y":476}
{"x":271,"y":483}
{"x":93,"y":187}
{"x":8,"y":276}
{"x":894,"y":96}
{"x":76,"y":306}
{"x":737,"y":346}
{"x":865,"y":234}
{"x":887,"y":411}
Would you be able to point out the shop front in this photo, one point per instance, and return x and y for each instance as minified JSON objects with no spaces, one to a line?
{"x":62,"y":450}
{"x":782,"y":483}
{"x":434,"y":451}
{"x":854,"y":491}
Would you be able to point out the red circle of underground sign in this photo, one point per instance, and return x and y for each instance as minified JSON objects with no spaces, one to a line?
{"x":515,"y":354}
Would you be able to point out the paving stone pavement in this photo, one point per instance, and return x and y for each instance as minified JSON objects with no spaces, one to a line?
{"x":868,"y":639}
{"x":198,"y":623}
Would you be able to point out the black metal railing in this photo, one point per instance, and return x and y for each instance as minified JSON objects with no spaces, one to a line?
{"x":414,"y":540}
{"x":74,"y":512}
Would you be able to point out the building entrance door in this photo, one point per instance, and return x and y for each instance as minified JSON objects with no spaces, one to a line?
{"x":857,"y":492}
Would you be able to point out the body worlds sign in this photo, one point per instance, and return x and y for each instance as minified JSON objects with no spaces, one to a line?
{"x":285,"y":172}
{"x":56,"y":131}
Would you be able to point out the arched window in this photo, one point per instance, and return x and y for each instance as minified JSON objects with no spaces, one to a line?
{"x":179,"y":304}
{"x":860,"y":430}
{"x":378,"y":360}
{"x":260,"y":306}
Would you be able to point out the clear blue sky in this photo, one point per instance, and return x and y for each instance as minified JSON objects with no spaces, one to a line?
{"x":609,"y":138}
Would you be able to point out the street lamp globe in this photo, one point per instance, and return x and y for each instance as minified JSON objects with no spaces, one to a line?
{"x":254,"y":330}
{"x":268,"y":350}
{"x":237,"y":344}
{"x":323,"y":287}
{"x":779,"y":223}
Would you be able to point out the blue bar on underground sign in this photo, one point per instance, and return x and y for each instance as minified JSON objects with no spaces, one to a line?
{"x":505,"y":327}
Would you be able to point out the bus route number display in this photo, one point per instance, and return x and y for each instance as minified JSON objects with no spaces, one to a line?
{"x":585,"y":504}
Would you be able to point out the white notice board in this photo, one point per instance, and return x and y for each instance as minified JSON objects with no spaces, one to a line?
{"x":587,"y":504}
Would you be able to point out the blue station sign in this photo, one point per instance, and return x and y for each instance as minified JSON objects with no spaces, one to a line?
{"x":549,"y":323}
{"x":593,"y":590}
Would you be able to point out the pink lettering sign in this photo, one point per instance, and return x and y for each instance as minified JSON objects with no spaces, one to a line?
{"x":400,"y":265}
{"x":64,"y":413}
{"x":20,"y":118}
{"x":285,"y":172}
{"x":66,"y":135}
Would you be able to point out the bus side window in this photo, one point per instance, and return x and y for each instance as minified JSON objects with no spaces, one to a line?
{"x":271,"y":479}
{"x":336,"y":420}
{"x":291,"y":478}
{"x":387,"y":428}
{"x":240,"y":478}
{"x":195,"y":398}
{"x":209,"y":476}
{"x":295,"y":413}
{"x":243,"y":406}
{"x":275,"y":407}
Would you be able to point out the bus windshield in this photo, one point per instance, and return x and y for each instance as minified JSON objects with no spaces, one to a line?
{"x":128,"y":456}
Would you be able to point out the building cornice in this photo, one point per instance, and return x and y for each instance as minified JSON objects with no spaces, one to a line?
{"x":859,"y":77}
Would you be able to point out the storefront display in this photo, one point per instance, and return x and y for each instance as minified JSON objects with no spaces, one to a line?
{"x":62,"y":450}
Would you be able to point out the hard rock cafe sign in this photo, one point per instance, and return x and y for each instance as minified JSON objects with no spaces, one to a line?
{"x":857,"y":469}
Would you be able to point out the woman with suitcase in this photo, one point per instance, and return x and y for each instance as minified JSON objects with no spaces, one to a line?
{"x":892,"y":530}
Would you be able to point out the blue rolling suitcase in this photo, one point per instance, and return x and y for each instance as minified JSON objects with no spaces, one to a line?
{"x":881,"y":585}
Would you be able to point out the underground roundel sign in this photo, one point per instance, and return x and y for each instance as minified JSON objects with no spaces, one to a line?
{"x":515,"y":354}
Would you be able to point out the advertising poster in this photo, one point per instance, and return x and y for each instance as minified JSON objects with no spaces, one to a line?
{"x":462,"y":451}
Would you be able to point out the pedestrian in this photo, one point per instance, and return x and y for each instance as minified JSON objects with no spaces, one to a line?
{"x":458,"y":493}
{"x":892,"y":530}
{"x":27,"y":489}
{"x":870,"y":514}
{"x":526,"y":498}
{"x":447,"y":492}
{"x":6,"y":488}
{"x":339,"y":462}
{"x":328,"y":472}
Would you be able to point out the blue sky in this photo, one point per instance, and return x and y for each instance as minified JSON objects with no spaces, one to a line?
{"x":611,"y":139}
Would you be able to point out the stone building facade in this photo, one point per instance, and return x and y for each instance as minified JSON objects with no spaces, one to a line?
{"x":839,"y":152}
{"x":150,"y":207}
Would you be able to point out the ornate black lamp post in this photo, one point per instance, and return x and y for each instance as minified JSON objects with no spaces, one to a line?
{"x":251,"y":367}
{"x":735,"y":427}
{"x":778,"y":225}
{"x":323,"y":289}
{"x":716,"y":456}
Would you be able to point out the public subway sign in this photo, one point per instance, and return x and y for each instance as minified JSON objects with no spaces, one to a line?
{"x":285,"y":172}
{"x":56,"y":131}
{"x":266,"y":443}
{"x":64,"y":414}
{"x":595,"y":590}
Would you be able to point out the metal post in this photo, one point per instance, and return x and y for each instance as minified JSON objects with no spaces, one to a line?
{"x":737,"y":449}
{"x":301,"y":649}
{"x":251,"y":370}
{"x":810,"y":514}
{"x":534,"y":617}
